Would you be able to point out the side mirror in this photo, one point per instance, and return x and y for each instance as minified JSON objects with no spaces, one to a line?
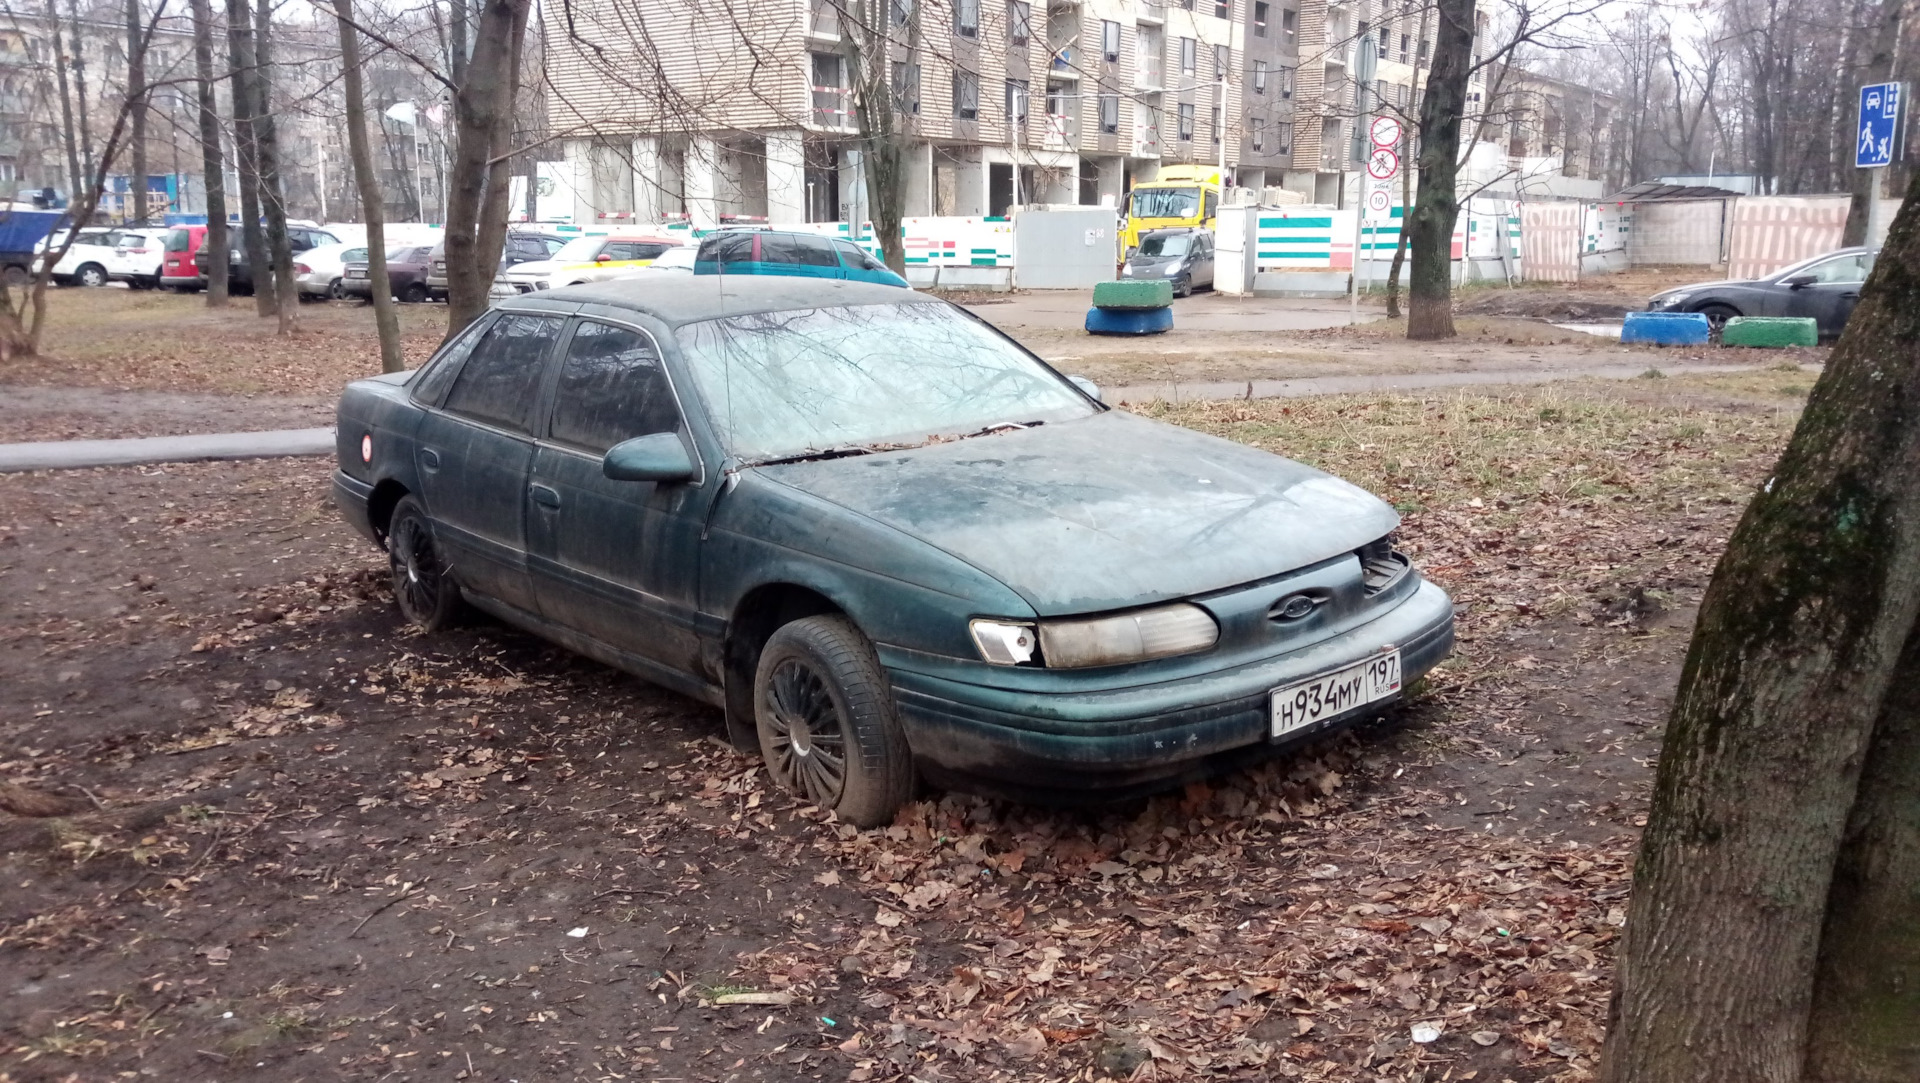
{"x":658,"y":458}
{"x":1797,"y":281}
{"x":603,"y":258}
{"x":1092,"y":389}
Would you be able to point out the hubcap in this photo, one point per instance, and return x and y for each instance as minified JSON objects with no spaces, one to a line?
{"x":415,"y":571}
{"x":808,"y":740}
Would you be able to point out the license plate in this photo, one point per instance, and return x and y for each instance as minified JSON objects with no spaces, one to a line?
{"x":356,"y":273}
{"x":1305,"y":702}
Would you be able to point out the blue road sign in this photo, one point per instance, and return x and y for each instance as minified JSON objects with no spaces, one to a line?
{"x":1877,"y":141}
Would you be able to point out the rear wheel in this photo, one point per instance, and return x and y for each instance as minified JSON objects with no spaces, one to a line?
{"x":826,"y":721}
{"x":91,"y":274}
{"x":414,"y":293}
{"x":16,"y":275}
{"x":428,"y":597}
{"x":335,"y":292}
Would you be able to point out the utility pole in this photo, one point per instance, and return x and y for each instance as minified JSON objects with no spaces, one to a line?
{"x":1364,"y":65}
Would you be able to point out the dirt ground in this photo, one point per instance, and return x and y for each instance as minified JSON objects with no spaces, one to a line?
{"x":332,"y":848}
{"x":231,"y":371}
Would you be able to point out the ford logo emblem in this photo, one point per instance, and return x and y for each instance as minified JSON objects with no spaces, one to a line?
{"x":1294,"y":606}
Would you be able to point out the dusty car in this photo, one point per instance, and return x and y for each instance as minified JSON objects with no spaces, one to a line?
{"x":887,"y":540}
{"x":1184,"y":256}
{"x":1825,"y":287}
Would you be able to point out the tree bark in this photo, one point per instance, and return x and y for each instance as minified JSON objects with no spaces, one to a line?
{"x":483,"y":131}
{"x":214,"y":244}
{"x":253,"y":241}
{"x":1437,"y":206}
{"x":85,"y":130}
{"x":137,"y":94}
{"x":1759,"y":794}
{"x":1878,"y":69}
{"x":367,"y":180}
{"x":273,"y":199}
{"x":67,"y":134}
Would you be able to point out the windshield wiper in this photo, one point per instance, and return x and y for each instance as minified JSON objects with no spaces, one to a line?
{"x":845,"y":451}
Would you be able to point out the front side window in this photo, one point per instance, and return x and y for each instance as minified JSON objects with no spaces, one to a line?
{"x":867,"y":377}
{"x":812,"y":251}
{"x":612,"y":388}
{"x":856,"y":257}
{"x":498,"y":382}
{"x":579,"y":250}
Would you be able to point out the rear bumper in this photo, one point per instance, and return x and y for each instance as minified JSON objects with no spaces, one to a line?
{"x":352,"y":496}
{"x":1126,"y":741}
{"x":357,"y":287}
{"x":180,"y":281}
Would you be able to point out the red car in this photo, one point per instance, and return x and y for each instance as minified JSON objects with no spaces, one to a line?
{"x":177,"y":271}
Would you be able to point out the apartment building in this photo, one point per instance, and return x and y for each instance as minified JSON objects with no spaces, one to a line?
{"x":1536,"y":116}
{"x":701,"y":109}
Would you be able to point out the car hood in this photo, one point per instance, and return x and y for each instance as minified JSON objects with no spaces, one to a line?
{"x":534,"y":268}
{"x":1696,"y":287}
{"x":1106,"y":512}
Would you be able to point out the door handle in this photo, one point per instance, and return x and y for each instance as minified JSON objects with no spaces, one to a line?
{"x":1854,"y":296}
{"x":544,"y":495}
{"x":430,"y":459}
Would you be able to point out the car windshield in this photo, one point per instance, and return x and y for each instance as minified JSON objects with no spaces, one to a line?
{"x":864,"y":378}
{"x":580,"y":249}
{"x":1166,"y":202}
{"x":1806,"y":266}
{"x":1175,"y":245}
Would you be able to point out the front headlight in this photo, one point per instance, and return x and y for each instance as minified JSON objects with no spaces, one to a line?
{"x":1173,"y":270}
{"x":1127,"y":270}
{"x":1140,"y":636}
{"x":1667,"y":300}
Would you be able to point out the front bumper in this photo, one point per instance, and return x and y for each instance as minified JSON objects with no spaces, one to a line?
{"x":353,"y":497}
{"x":1122,"y":742}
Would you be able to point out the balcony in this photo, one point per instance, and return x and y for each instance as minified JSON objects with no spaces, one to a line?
{"x":833,"y":107}
{"x":1058,"y":134}
{"x":1149,"y":74}
{"x":1146,"y":141}
{"x":1151,"y":13}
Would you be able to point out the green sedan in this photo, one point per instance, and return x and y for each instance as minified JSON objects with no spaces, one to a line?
{"x":889,"y":542}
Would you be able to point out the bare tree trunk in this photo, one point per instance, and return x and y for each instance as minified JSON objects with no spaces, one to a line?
{"x":367,"y":179}
{"x":137,"y":93}
{"x":214,"y":169}
{"x":457,"y":19}
{"x":67,"y":134}
{"x":273,"y":198}
{"x":253,"y":241}
{"x":1771,"y":865}
{"x":1430,"y":225}
{"x":1878,"y":69}
{"x":75,"y":38}
{"x":483,"y":122}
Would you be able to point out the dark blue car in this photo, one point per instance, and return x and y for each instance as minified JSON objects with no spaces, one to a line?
{"x":885,"y":539}
{"x":797,"y":255}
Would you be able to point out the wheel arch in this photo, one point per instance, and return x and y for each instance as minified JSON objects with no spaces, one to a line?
{"x":760,"y":613}
{"x":386,"y":496}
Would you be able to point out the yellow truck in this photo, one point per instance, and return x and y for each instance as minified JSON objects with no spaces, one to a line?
{"x":1182,"y":195}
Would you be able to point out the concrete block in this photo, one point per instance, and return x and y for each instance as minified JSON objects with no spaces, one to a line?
{"x":1134,"y":293}
{"x":1666,"y":328}
{"x":1770,"y":331}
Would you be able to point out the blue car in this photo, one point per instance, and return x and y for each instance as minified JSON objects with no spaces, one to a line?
{"x":799,"y":255}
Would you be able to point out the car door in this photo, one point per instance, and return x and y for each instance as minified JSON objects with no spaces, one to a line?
{"x":616,"y":560}
{"x":1202,"y":260}
{"x":475,"y":450}
{"x":1832,"y":294}
{"x":799,"y":254}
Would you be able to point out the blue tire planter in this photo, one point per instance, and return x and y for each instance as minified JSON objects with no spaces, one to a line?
{"x":1667,"y":328}
{"x":1129,"y":321}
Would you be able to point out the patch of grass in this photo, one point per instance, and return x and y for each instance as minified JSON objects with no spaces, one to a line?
{"x":1505,"y":330}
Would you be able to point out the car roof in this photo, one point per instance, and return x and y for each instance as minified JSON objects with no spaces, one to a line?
{"x":677,"y":300}
{"x":1170,"y":230}
{"x":641,"y":237}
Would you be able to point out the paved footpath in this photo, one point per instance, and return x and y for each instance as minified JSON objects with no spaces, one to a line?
{"x":281,"y":443}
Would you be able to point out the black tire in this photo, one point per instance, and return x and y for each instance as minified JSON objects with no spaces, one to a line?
{"x":818,"y":678}
{"x":414,"y":293}
{"x":427,"y":596}
{"x":1185,"y":288}
{"x":91,"y":274}
{"x":334,"y":292}
{"x":1717,"y":316}
{"x":16,"y":276}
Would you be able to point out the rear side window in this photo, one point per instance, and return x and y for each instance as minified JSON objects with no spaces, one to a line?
{"x":179,"y":240}
{"x":618,"y":250}
{"x":612,"y":388}
{"x":498,"y":382}
{"x":778,"y":248}
{"x":440,"y":370}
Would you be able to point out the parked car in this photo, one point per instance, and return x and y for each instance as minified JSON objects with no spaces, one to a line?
{"x":239,"y":275}
{"x":1183,"y":256}
{"x":138,"y":256}
{"x":588,"y":259}
{"x":674,"y":260}
{"x":520,"y":247}
{"x":406,"y":274}
{"x":805,"y":255}
{"x":177,"y":271}
{"x":87,"y":258}
{"x":1825,"y":287}
{"x":885,"y":538}
{"x":318,"y":272}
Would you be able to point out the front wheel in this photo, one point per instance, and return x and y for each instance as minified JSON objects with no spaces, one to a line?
{"x":1717,"y":317}
{"x":91,"y":274}
{"x":826,"y":721}
{"x":1185,"y":288}
{"x":414,"y":293}
{"x":428,"y":597}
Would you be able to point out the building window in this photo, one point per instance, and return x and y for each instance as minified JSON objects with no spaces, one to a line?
{"x":966,"y":95}
{"x":1283,"y":137}
{"x":1186,"y":122}
{"x":1289,"y":23}
{"x":1213,"y":125}
{"x":1019,"y":21}
{"x":1423,"y":50}
{"x":1259,"y":18}
{"x":906,"y":87}
{"x":1259,"y":77}
{"x":1286,"y":83}
{"x":1110,"y":40}
{"x":966,"y":18}
{"x":1016,"y":101}
{"x":1386,"y":42}
{"x":1403,"y":48}
{"x":1109,"y":113}
{"x":901,"y":11}
{"x":1222,"y":60}
{"x":1257,"y":133}
{"x":1223,"y":9}
{"x":1189,"y":55}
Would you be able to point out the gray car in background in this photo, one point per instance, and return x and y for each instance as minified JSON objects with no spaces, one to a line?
{"x":1825,"y":288}
{"x":1182,"y":256}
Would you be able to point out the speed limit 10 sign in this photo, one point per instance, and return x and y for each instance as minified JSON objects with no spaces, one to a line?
{"x":1385,"y":132}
